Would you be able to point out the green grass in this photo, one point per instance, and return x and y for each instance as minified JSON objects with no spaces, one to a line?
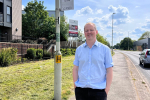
{"x":35,"y":80}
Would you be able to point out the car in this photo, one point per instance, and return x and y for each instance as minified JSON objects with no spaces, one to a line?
{"x":144,"y":58}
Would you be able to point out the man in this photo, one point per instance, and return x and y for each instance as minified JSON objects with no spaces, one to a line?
{"x":92,"y":72}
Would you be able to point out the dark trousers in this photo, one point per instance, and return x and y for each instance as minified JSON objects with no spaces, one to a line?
{"x":90,"y":94}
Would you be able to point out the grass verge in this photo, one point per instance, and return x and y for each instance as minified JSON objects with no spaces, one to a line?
{"x":35,"y":80}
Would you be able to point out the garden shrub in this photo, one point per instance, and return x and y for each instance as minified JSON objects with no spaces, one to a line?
{"x":47,"y":54}
{"x":8,"y":56}
{"x":39,"y":53}
{"x":63,"y":52}
{"x":68,"y":51}
{"x":31,"y":53}
{"x":73,"y":51}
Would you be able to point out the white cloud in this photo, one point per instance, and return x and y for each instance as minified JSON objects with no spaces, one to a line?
{"x":120,"y":12}
{"x":148,"y":20}
{"x":137,"y":6}
{"x":84,"y":11}
{"x":121,"y":15}
{"x":23,"y":7}
{"x":147,"y":25}
{"x":138,"y":31}
{"x":99,"y":11}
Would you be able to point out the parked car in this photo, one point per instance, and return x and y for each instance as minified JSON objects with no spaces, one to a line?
{"x":144,"y":58}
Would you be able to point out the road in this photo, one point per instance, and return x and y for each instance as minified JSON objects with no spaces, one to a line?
{"x":134,"y":57}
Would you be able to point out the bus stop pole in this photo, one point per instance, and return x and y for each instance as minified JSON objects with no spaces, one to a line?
{"x":57,"y":58}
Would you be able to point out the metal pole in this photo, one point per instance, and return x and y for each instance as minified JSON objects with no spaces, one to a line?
{"x":112,"y":33}
{"x":128,"y":40}
{"x":57,"y":58}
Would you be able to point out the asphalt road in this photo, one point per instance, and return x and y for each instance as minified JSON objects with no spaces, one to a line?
{"x":134,"y":57}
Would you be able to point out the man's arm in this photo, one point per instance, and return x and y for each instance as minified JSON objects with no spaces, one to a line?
{"x":75,"y":74}
{"x":109,"y":76}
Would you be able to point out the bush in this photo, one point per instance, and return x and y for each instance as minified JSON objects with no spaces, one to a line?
{"x":68,"y":51}
{"x":73,"y":51}
{"x":63,"y":52}
{"x":8,"y":56}
{"x":39,"y":53}
{"x":47,"y":54}
{"x":31,"y":53}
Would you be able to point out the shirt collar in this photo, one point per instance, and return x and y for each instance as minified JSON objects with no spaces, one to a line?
{"x":96,"y":43}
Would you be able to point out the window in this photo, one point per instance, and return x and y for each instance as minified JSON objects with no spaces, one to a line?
{"x":9,"y":14}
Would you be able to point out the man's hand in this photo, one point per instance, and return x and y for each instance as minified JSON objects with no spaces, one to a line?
{"x":106,"y":90}
{"x":75,"y":75}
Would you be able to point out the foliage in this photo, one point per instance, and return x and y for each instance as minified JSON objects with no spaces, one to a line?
{"x":8,"y":56}
{"x":63,"y":52}
{"x":125,"y":42}
{"x":64,"y":28}
{"x":117,"y":46}
{"x":34,"y":20}
{"x":67,"y":51}
{"x":47,"y":54}
{"x":31,"y":53}
{"x":102,"y":40}
{"x":145,"y":35}
{"x":37,"y":23}
{"x":24,"y":41}
{"x":73,"y":51}
{"x":39,"y":53}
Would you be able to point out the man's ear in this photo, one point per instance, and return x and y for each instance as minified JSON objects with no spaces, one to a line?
{"x":96,"y":32}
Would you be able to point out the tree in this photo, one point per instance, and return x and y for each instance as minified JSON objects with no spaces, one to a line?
{"x":37,"y":23}
{"x":145,"y":35}
{"x":64,"y":28}
{"x":124,"y":43}
{"x":102,"y":40}
{"x":34,"y":20}
{"x":117,"y":46}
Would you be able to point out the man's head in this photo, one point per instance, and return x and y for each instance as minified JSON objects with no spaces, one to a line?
{"x":90,"y":31}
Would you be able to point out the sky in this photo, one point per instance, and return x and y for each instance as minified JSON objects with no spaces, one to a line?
{"x":131,"y":18}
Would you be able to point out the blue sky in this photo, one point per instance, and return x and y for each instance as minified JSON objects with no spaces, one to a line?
{"x":131,"y":17}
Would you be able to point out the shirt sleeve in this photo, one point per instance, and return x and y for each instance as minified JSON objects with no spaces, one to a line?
{"x":76,"y":61}
{"x":108,"y":59}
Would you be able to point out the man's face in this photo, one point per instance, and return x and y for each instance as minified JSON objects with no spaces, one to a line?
{"x":90,"y":32}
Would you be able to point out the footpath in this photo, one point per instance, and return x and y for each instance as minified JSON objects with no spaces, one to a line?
{"x":127,"y":82}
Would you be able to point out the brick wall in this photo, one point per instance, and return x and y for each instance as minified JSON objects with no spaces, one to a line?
{"x":22,"y":47}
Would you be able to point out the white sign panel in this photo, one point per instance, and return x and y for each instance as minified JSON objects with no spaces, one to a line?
{"x":73,"y":28}
{"x":66,"y":5}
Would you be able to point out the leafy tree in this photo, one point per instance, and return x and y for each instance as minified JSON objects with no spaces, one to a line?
{"x":145,"y":35}
{"x":124,"y":43}
{"x":34,"y":19}
{"x":102,"y":40}
{"x":117,"y":46}
{"x":64,"y":28}
{"x":37,"y":23}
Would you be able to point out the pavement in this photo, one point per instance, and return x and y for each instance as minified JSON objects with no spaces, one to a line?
{"x":122,"y":87}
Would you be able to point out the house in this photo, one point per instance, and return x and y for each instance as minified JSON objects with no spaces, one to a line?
{"x":10,"y":20}
{"x":142,"y":44}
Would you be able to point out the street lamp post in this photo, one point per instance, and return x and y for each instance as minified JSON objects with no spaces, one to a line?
{"x":112,"y":33}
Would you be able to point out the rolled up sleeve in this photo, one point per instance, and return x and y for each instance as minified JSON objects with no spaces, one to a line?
{"x":76,"y":61}
{"x":108,"y":59}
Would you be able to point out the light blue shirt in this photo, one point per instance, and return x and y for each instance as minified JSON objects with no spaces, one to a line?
{"x":92,"y":63}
